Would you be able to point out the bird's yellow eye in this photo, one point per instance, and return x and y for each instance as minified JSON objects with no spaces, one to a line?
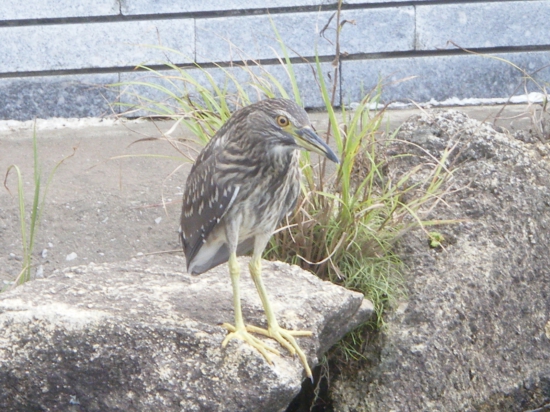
{"x":282,"y":121}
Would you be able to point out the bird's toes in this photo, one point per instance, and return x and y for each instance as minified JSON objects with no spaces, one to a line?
{"x":255,"y":329}
{"x":300,"y":333}
{"x":229,"y":327}
{"x":242,"y":334}
{"x":287,"y":336}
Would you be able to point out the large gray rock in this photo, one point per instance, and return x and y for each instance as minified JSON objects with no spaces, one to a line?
{"x":138,"y":336}
{"x":471,"y":335}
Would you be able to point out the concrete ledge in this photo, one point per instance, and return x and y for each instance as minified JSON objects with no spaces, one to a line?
{"x":439,"y":77}
{"x":115,"y":36}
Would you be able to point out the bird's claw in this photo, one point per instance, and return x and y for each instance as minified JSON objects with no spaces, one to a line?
{"x":283,"y":336}
{"x":286,"y":339}
{"x":243,"y":334}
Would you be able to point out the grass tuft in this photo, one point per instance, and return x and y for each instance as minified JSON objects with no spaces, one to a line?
{"x":28,"y":235}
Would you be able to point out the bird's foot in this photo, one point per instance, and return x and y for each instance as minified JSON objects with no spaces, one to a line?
{"x":242,"y":334}
{"x":286,"y":339}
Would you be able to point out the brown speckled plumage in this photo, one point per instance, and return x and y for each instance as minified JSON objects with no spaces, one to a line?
{"x":245,"y":171}
{"x":243,"y":183}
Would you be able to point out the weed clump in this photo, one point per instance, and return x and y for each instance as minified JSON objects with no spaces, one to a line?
{"x":28,"y":234}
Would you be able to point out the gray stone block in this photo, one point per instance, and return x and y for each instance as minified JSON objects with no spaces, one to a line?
{"x":252,"y":37}
{"x":443,"y":77}
{"x":378,"y":30}
{"x":169,"y":6}
{"x":495,"y":24}
{"x":145,"y":93}
{"x":41,"y":9}
{"x":384,"y":1}
{"x":25,"y":98}
{"x":94,"y":45}
{"x":144,"y":87}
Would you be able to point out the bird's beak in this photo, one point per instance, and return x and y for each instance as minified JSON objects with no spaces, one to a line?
{"x":308,"y":139}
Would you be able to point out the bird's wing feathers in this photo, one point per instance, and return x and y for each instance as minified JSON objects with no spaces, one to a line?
{"x":204,"y":205}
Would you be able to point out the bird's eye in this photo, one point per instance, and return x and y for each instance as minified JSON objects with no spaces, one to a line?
{"x":282,"y":121}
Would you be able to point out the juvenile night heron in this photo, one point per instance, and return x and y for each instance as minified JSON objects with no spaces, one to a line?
{"x":244,"y":182}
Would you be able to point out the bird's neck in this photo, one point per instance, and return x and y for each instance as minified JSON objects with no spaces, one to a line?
{"x":282,"y":158}
{"x":280,"y":154}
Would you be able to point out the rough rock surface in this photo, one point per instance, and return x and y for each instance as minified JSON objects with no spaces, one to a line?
{"x":139,"y":336}
{"x":474,"y":332}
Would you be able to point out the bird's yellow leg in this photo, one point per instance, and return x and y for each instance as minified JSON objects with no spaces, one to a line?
{"x":283,"y":336}
{"x":239,"y":330}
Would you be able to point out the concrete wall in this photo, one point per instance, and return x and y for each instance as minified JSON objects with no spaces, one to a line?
{"x":55,"y":56}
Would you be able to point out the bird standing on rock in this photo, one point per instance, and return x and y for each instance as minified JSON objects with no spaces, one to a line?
{"x":243,"y":183}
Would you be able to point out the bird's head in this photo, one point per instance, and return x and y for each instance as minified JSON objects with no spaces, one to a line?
{"x":285,"y":124}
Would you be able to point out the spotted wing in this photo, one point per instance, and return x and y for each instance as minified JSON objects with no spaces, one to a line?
{"x":205,"y":202}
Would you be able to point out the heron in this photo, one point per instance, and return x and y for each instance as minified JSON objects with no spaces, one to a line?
{"x":244,"y":182}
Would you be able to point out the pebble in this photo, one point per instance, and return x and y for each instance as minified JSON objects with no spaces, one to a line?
{"x":71,"y":256}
